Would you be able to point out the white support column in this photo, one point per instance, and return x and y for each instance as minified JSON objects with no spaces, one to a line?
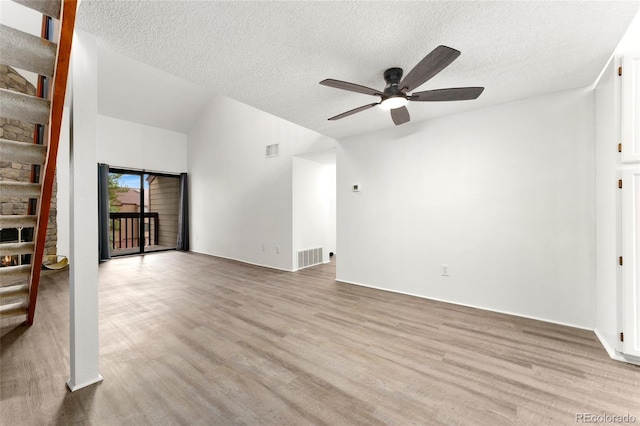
{"x":83,"y":276}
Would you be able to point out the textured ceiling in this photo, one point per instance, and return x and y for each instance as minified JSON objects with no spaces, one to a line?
{"x":271,"y":55}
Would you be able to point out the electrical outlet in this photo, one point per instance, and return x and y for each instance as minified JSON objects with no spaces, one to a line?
{"x":444,"y":270}
{"x":277,"y":249}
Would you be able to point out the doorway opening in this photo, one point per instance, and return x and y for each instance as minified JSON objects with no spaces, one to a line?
{"x":143,"y":211}
{"x":314,"y":208}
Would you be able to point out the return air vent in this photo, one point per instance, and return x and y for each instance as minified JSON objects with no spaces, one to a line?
{"x":309,"y":257}
{"x":273,"y":150}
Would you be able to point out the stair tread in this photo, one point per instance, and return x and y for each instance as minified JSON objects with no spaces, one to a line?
{"x":18,"y":106}
{"x":14,"y":290}
{"x":19,"y":190}
{"x":18,"y":221}
{"x":15,"y":270}
{"x":47,"y":7}
{"x":15,"y":246}
{"x":14,"y":287}
{"x":10,"y":275}
{"x":22,"y":152}
{"x":14,"y":309}
{"x":26,"y":51}
{"x":14,"y":249}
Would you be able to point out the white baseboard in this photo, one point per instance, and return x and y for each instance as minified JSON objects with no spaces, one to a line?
{"x":610,"y":351}
{"x":627,"y":358}
{"x":244,"y":261}
{"x":582,"y":327}
{"x":74,"y":387}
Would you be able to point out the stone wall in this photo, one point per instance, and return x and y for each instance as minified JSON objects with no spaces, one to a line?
{"x":15,"y":130}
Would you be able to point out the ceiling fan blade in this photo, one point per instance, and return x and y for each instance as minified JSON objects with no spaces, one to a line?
{"x":353,"y":111}
{"x":453,"y":94}
{"x":350,"y":86}
{"x":429,"y":66}
{"x":400,"y":115}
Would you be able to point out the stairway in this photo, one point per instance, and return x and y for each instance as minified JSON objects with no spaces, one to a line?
{"x":19,"y":282}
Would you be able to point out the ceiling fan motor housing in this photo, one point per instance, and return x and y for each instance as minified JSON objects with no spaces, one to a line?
{"x":392,"y":76}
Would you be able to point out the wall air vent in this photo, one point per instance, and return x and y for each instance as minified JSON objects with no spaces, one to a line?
{"x":273,"y":150}
{"x":309,"y":257}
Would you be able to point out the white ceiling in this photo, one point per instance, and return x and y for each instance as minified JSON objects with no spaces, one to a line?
{"x":271,"y":55}
{"x":131,"y":90}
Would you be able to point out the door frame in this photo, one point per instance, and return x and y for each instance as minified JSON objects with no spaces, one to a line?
{"x":141,"y":221}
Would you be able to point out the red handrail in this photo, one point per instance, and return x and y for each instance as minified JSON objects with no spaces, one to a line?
{"x":57,"y":94}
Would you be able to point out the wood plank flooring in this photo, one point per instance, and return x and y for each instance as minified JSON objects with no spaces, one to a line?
{"x":189,"y":339}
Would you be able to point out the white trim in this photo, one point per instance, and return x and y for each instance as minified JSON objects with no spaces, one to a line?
{"x":610,"y":351}
{"x":595,"y":83}
{"x":74,"y":388}
{"x":147,"y":171}
{"x":469,"y":305}
{"x":627,"y":358}
{"x":243,"y":261}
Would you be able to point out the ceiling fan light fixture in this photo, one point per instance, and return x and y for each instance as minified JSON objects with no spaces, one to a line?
{"x":394,"y":97}
{"x":393,"y":102}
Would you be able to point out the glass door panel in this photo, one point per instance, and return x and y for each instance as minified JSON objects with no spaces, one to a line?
{"x":161,"y":216}
{"x":124,"y":213}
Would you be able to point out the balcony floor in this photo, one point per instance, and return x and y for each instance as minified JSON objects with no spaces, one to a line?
{"x":136,"y":250}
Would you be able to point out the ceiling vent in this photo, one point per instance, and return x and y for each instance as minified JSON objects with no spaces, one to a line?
{"x":273,"y":150}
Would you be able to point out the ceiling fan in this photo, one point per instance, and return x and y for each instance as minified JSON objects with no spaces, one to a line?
{"x":398,"y":91}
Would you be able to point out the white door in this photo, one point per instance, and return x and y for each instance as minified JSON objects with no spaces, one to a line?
{"x":631,"y":108}
{"x":631,"y":261}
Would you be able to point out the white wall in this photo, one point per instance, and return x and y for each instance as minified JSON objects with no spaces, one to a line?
{"x":127,"y":144}
{"x":240,"y":200}
{"x":503,"y":195}
{"x":24,"y":19}
{"x":314,"y":203}
{"x":630,"y":42}
{"x":120,"y":143}
{"x":20,"y":17}
{"x":330,"y":229}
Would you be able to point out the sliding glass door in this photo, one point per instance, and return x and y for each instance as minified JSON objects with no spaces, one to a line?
{"x":143,"y":211}
{"x":126,"y":201}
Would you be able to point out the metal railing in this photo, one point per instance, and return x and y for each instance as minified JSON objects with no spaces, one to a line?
{"x":125,"y":229}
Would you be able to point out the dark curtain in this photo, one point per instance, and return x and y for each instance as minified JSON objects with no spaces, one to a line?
{"x":183,"y":215}
{"x":104,"y":246}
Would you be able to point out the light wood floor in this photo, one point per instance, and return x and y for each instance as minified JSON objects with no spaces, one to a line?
{"x":191,"y":339}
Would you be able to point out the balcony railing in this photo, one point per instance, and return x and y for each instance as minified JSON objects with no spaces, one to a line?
{"x":125,"y":230}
